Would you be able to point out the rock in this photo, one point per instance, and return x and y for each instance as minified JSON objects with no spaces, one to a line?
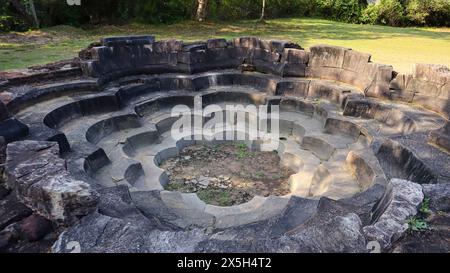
{"x":439,"y":74}
{"x":403,"y":199}
{"x":6,"y":97}
{"x":327,"y":56}
{"x":41,"y":181}
{"x":128,"y":40}
{"x":439,"y":196}
{"x":5,"y":240}
{"x":12,"y":130}
{"x":441,"y":137}
{"x":3,"y":190}
{"x":297,"y":212}
{"x":35,"y":227}
{"x":98,"y":233}
{"x":4,"y":114}
{"x":204,"y":181}
{"x":11,"y":211}
{"x":216,"y":43}
{"x":295,"y":56}
{"x":340,"y":234}
{"x":336,"y":234}
{"x":116,"y":202}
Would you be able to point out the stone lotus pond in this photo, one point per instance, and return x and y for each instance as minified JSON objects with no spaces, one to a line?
{"x":356,"y":141}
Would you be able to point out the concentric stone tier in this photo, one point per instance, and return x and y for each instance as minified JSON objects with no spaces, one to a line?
{"x":342,"y":132}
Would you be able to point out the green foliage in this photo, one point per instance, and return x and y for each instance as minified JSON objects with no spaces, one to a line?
{"x":370,"y":15}
{"x":391,"y":12}
{"x":408,"y":13}
{"x":12,"y":23}
{"x":348,"y":11}
{"x":428,"y":12}
{"x":425,"y":208}
{"x":168,"y":11}
{"x":95,"y":12}
{"x":242,"y":150}
{"x":417,"y":224}
{"x":216,"y":196}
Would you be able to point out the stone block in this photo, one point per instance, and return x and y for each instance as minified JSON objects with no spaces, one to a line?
{"x":12,"y":130}
{"x":355,"y":61}
{"x":294,"y":89}
{"x":327,"y":56}
{"x":438,"y":74}
{"x":295,"y":56}
{"x":216,"y":43}
{"x":41,"y":182}
{"x":294,"y":70}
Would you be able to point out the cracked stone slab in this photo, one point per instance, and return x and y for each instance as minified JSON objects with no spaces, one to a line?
{"x":403,"y":199}
{"x":40,"y":180}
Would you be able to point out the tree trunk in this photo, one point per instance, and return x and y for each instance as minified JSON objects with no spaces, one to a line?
{"x":202,"y":10}
{"x":21,"y":10}
{"x":33,"y":12}
{"x":263,"y":11}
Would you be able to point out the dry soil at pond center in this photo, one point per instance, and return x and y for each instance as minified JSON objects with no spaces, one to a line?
{"x":228,"y":174}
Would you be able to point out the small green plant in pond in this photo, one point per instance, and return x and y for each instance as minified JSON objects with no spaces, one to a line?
{"x":215,"y":197}
{"x":417,"y":224}
{"x":425,"y":208}
{"x":259,"y":175}
{"x":216,"y":147}
{"x":242,"y":150}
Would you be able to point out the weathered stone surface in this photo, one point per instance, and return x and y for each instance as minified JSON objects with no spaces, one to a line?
{"x":216,"y":43}
{"x":12,"y":130}
{"x":327,"y":56}
{"x":428,"y":85}
{"x":439,"y":74}
{"x":11,"y":211}
{"x":98,"y":233}
{"x":441,"y":137}
{"x":405,"y":197}
{"x":382,"y":76}
{"x":295,"y":56}
{"x":332,"y":229}
{"x":355,"y":61}
{"x":294,"y":89}
{"x":35,"y":227}
{"x":294,"y":70}
{"x":297,"y":212}
{"x":153,"y":207}
{"x":40,"y":179}
{"x":128,"y":40}
{"x":4,"y":114}
{"x":5,"y":240}
{"x":247,"y":42}
{"x":439,"y":196}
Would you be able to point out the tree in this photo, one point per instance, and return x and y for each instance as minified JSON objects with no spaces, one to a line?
{"x":22,"y":11}
{"x":33,"y":12}
{"x":263,"y":11}
{"x":202,"y":10}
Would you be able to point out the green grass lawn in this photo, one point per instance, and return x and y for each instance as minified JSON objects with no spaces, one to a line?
{"x":401,"y":47}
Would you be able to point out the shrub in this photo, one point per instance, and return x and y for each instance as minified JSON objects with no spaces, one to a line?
{"x":370,"y":15}
{"x":386,"y":12}
{"x":429,"y":12}
{"x":341,"y":10}
{"x":11,"y":23}
{"x":391,"y":12}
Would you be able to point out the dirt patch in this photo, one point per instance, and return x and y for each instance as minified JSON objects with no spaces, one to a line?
{"x":228,"y":174}
{"x":36,"y":38}
{"x":434,"y":238}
